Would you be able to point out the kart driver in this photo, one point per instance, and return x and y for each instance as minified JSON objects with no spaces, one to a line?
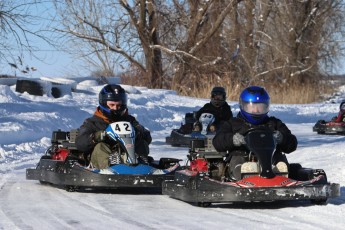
{"x":220,"y":109}
{"x":91,"y":139}
{"x":341,"y":114}
{"x":254,"y":106}
{"x":342,"y":111}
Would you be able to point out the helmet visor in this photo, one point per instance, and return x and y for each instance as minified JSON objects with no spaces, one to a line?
{"x":255,"y":108}
{"x":342,"y":107}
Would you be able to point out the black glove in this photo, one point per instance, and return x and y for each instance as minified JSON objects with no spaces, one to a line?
{"x":99,"y":136}
{"x":197,"y":126}
{"x":238,"y":139}
{"x":278,"y":136}
{"x":139,"y":130}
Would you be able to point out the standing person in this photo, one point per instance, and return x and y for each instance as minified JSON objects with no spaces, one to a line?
{"x":218,"y":106}
{"x":112,"y":108}
{"x":254,"y":107}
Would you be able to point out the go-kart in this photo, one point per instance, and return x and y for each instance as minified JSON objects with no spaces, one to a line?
{"x":188,"y":131}
{"x":64,"y":165}
{"x":208,"y":180}
{"x":329,"y":127}
{"x":335,"y":126}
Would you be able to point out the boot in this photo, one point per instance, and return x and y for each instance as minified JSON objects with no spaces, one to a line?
{"x":114,"y":159}
{"x":143,"y":159}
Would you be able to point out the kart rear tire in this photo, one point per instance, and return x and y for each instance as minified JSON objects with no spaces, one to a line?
{"x":71,"y":188}
{"x":44,"y":182}
{"x":56,"y":93}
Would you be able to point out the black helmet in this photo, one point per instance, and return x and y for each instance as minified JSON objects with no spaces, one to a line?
{"x":112,"y":93}
{"x":218,"y":96}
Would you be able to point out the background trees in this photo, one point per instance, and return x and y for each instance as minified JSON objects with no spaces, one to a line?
{"x":187,"y":44}
{"x":190,"y":46}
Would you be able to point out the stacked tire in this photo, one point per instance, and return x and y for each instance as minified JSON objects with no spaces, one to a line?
{"x":31,"y":87}
{"x":41,"y":87}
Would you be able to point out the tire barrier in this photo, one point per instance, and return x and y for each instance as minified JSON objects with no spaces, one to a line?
{"x":31,"y":87}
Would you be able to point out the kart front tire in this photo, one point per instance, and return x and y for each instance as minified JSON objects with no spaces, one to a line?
{"x":204,"y":204}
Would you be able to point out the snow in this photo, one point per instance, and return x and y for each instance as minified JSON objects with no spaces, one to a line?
{"x":26,"y":126}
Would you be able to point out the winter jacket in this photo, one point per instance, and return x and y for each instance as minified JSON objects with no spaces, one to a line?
{"x":98,"y":122}
{"x":223,"y":140}
{"x":221,"y":113}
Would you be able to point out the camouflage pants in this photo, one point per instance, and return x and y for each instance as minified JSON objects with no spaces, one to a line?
{"x":101,"y":152}
{"x":100,"y":156}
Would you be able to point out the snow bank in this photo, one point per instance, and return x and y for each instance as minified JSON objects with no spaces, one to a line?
{"x":61,"y":81}
{"x":8,"y":96}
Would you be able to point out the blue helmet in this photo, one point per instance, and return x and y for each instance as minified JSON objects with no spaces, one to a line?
{"x":254,"y":104}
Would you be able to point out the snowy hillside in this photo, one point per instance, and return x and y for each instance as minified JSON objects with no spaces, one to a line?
{"x":26,"y":125}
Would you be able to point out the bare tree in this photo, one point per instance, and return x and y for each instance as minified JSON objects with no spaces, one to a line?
{"x":138,"y":32}
{"x":16,"y":17}
{"x":280,"y":43}
{"x":200,"y":52}
{"x":145,"y":19}
{"x":116,"y":31}
{"x":291,"y":38}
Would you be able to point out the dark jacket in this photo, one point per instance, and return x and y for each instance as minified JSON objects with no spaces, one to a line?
{"x":223,"y":140}
{"x":98,"y":122}
{"x":221,"y":113}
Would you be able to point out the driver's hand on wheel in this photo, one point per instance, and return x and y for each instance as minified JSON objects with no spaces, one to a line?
{"x":278,"y":136}
{"x":238,"y":139}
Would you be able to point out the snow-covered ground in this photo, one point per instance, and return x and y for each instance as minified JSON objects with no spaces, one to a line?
{"x":26,"y":125}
